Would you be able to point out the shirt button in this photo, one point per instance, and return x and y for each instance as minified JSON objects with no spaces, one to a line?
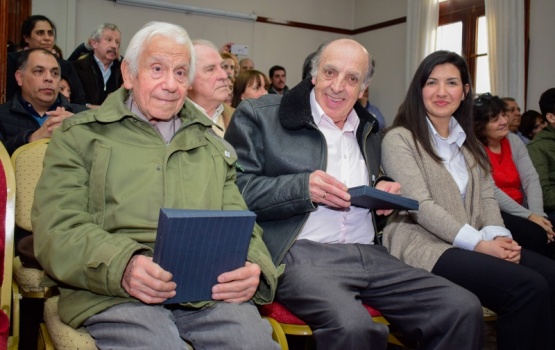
{"x":158,"y":167}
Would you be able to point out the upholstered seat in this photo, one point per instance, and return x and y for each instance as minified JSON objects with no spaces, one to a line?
{"x":284,"y":323}
{"x":59,"y":335}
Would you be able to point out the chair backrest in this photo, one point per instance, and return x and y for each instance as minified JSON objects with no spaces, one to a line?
{"x":7,"y":224}
{"x":27,"y":162}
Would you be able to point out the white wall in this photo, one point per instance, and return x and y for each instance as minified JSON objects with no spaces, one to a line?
{"x":272,"y":44}
{"x":387,"y":45}
{"x":268,"y":44}
{"x":541,"y":64}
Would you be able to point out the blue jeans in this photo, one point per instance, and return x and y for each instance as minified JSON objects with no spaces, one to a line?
{"x":141,"y":326}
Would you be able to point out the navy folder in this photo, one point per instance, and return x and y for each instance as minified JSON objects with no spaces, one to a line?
{"x":371,"y":198}
{"x":196,"y":246}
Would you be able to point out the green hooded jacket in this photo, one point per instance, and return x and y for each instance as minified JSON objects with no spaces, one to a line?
{"x":542,"y":153}
{"x":106,"y":175}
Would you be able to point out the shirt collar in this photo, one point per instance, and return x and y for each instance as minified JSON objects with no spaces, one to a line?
{"x":318,"y":114}
{"x":456,"y":133}
{"x":100,"y":64}
{"x":219,"y":110}
{"x":29,"y":107}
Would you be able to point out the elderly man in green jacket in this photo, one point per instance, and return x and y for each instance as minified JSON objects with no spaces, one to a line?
{"x":107,"y":173}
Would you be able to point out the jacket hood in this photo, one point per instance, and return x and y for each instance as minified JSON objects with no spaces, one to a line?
{"x":548,"y":133}
{"x":295,"y":112}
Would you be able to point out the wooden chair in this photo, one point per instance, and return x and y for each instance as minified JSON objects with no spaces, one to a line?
{"x":9,"y":297}
{"x":284,"y":323}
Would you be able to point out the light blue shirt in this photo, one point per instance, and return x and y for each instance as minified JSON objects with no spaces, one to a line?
{"x":106,"y":72}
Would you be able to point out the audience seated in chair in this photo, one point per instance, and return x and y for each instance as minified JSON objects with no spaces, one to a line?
{"x":531,"y":124}
{"x":249,"y":84}
{"x":517,"y":186}
{"x":298,"y":154}
{"x":97,"y":202}
{"x":209,"y":89}
{"x":38,"y":31}
{"x":38,"y":108}
{"x":100,"y":71}
{"x":542,"y":152}
{"x":458,"y":232}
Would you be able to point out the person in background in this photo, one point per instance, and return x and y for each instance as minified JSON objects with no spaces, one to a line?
{"x":145,"y":148}
{"x":514,"y":117}
{"x":65,"y":89}
{"x":298,"y":154}
{"x":209,"y":90}
{"x":249,"y":84}
{"x":229,"y":99}
{"x":531,"y":124}
{"x":229,"y":64}
{"x":365,"y":102}
{"x":245,"y":64}
{"x":37,"y":108}
{"x":517,"y":186}
{"x":278,"y":77}
{"x":38,"y":31}
{"x":100,"y":71}
{"x":458,"y":232}
{"x":542,"y":152}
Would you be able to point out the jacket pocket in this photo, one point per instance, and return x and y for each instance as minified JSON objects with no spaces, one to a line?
{"x":97,"y":182}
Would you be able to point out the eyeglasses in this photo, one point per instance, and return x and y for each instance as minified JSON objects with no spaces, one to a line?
{"x":482,"y":99}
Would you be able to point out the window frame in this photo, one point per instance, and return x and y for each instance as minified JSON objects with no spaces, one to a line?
{"x":467,"y":12}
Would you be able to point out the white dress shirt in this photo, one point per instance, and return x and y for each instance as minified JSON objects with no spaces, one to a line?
{"x":453,"y":159}
{"x":346,"y":163}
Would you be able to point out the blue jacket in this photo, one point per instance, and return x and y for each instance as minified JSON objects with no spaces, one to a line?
{"x":17,"y":123}
{"x":278,"y":147}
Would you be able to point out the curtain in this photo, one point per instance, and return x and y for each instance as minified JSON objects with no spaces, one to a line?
{"x":422,"y":19}
{"x":506,"y":48}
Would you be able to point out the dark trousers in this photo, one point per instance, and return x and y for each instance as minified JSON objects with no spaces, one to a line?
{"x":325,"y":285}
{"x":527,"y":233}
{"x":522,"y":294}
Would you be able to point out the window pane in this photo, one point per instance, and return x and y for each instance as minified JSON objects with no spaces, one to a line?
{"x":482,"y":75}
{"x":482,"y":46}
{"x":449,"y":37}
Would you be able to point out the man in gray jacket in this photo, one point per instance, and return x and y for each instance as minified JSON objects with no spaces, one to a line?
{"x":298,"y":155}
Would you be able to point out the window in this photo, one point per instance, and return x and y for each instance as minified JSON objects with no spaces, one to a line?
{"x":462,"y":29}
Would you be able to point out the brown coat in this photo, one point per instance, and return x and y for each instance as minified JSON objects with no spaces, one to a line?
{"x":419,"y":238}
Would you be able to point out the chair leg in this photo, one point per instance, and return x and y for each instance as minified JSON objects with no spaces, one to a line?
{"x":44,"y":341}
{"x":277,"y":333}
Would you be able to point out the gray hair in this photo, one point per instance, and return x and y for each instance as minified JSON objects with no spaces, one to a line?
{"x":203,"y":42}
{"x":97,"y":32}
{"x":318,"y":57}
{"x":142,"y":38}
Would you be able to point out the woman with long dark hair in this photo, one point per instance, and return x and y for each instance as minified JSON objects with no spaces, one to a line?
{"x":38,"y":31}
{"x":458,"y":232}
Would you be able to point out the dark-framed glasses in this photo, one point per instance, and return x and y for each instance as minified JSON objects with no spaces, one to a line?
{"x":481,"y":100}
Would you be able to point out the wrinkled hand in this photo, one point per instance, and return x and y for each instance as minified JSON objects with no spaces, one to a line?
{"x":147,"y":281}
{"x":545,"y":224}
{"x":54,"y":120}
{"x":327,"y":190}
{"x":501,"y":247}
{"x":239,"y":285}
{"x":391,"y":187}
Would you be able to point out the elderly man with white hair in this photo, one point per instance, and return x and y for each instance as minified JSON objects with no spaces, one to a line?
{"x":107,"y":173}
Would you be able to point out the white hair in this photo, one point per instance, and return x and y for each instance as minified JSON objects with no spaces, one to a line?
{"x":142,"y":38}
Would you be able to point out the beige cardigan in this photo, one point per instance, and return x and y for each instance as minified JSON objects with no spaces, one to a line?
{"x":419,"y":238}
